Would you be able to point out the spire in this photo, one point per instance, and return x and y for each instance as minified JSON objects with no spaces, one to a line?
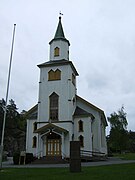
{"x":59,"y":32}
{"x":59,"y":35}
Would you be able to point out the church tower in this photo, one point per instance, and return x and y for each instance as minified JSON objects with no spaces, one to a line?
{"x":59,"y":46}
{"x":57,"y":86}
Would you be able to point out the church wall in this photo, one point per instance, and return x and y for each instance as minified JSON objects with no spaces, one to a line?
{"x":86,"y":133}
{"x":29,"y":137}
{"x":96,"y":134}
{"x":95,"y":125}
{"x":103,"y":139}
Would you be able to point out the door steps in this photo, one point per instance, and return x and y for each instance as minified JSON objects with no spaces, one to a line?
{"x":50,"y":160}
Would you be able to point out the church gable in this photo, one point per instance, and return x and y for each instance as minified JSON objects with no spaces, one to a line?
{"x":94,"y":110}
{"x":50,"y":127}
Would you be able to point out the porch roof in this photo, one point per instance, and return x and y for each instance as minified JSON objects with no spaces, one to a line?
{"x":50,"y":126}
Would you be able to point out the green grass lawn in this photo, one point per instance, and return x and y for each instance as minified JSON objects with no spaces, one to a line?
{"x":110,"y":172}
{"x":126,"y":156}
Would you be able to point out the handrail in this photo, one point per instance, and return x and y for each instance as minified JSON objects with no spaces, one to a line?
{"x":63,"y":154}
{"x":90,"y":153}
{"x":38,"y":153}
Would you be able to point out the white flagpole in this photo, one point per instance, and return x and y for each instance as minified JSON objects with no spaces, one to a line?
{"x":7,"y":92}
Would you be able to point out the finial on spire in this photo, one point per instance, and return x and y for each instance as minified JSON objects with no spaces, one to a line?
{"x":60,"y":14}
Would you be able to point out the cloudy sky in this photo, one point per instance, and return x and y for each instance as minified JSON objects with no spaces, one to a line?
{"x":102,"y":37}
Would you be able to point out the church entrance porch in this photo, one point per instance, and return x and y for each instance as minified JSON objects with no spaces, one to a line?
{"x":53,"y":145}
{"x":51,"y":141}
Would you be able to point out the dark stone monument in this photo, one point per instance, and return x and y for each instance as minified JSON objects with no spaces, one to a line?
{"x":75,"y":159}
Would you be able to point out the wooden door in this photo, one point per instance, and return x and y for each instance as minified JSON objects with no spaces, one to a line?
{"x":53,"y":147}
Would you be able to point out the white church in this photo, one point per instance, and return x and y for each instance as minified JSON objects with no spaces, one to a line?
{"x":61,"y":115}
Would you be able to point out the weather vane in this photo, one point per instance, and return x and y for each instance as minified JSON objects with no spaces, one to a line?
{"x":60,"y":14}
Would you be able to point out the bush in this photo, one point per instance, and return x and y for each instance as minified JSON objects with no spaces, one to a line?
{"x":17,"y":158}
{"x":29,"y":158}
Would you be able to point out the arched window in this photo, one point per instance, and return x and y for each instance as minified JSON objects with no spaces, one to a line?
{"x":34,"y":126}
{"x":54,"y":75}
{"x":80,"y":124}
{"x":57,"y":74}
{"x":51,"y":75}
{"x":34,"y":142}
{"x":54,"y":98}
{"x":81,"y":139}
{"x":56,"y":51}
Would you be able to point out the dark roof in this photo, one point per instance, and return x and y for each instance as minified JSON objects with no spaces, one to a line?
{"x":59,"y":35}
{"x":33,"y":115}
{"x":50,"y":126}
{"x":59,"y":63}
{"x":81,"y":112}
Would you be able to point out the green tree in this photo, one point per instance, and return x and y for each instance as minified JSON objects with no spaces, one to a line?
{"x":118,"y":138}
{"x":15,"y":127}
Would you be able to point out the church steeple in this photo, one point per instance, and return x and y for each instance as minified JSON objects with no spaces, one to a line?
{"x":59,"y":32}
{"x":59,"y":45}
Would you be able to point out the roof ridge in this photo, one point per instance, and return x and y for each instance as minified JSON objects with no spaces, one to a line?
{"x":97,"y":108}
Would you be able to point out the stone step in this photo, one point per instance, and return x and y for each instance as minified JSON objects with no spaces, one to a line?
{"x":50,"y":160}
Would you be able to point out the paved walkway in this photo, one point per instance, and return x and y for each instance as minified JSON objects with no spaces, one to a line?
{"x":109,"y":161}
